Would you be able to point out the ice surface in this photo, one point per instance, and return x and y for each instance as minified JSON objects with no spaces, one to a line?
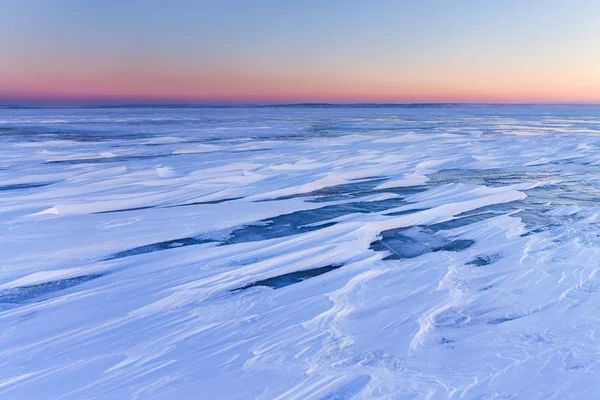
{"x":416,"y":252}
{"x":278,"y":282}
{"x":21,"y":294}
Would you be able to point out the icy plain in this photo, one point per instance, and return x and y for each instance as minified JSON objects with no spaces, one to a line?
{"x":300,"y":253}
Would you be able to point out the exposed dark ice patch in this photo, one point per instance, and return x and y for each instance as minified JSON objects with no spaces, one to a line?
{"x":272,"y":229}
{"x":302,"y":221}
{"x":176,"y":205}
{"x":277,"y":227}
{"x":37,"y":134}
{"x":406,"y":242}
{"x":353,"y":190}
{"x":497,"y":321}
{"x":19,"y":186}
{"x":160,"y":246}
{"x":405,"y":212}
{"x":483,"y":260}
{"x":533,"y":210}
{"x":405,"y":191}
{"x":278,"y":282}
{"x":368,"y":178}
{"x":103,"y":160}
{"x":412,"y":242}
{"x":340,"y":192}
{"x":531,"y":214}
{"x":124,"y":210}
{"x":455,"y":245}
{"x":80,"y":137}
{"x":205,"y":202}
{"x":486,"y":177}
{"x":460,"y":221}
{"x":23,"y":294}
{"x":533,"y":231}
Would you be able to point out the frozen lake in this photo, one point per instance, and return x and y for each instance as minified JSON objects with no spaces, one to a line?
{"x":300,"y":252}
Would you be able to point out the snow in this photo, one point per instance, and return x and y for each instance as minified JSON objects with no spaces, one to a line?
{"x":300,"y":253}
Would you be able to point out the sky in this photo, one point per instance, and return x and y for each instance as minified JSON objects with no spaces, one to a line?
{"x":287,"y":51}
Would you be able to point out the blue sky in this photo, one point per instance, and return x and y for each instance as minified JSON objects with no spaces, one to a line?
{"x":257,"y":51}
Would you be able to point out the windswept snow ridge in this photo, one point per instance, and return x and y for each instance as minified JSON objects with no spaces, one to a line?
{"x":300,"y":253}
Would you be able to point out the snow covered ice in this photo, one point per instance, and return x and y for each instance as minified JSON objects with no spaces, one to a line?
{"x":300,"y":253}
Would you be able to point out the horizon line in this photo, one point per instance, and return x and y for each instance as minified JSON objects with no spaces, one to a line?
{"x":15,"y":105}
